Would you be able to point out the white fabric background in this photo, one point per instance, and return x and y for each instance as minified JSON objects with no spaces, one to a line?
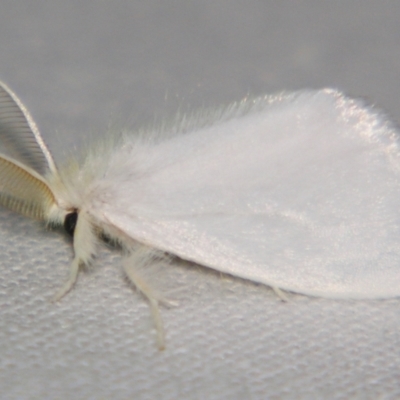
{"x":79,"y":66}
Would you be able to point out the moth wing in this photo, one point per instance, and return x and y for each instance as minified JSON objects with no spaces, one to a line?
{"x":301,"y":193}
{"x":20,"y":138}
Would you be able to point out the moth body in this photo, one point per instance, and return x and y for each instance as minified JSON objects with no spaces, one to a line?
{"x":297,"y":191}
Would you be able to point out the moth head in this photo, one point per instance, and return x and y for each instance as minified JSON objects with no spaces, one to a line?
{"x":30,"y":182}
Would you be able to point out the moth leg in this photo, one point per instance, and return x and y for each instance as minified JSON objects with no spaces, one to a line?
{"x":132,"y":266}
{"x":85,"y":242}
{"x":73,"y":276}
{"x":280,"y":293}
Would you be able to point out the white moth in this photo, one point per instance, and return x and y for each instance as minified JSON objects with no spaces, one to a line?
{"x":298,"y":191}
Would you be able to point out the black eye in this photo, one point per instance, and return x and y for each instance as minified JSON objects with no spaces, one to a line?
{"x":70,"y":222}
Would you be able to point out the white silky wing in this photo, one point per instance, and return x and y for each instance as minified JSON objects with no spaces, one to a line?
{"x":300,"y":192}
